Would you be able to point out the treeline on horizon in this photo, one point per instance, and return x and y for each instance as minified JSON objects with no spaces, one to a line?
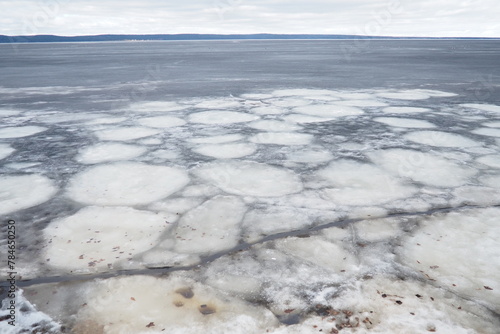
{"x":185,"y":37}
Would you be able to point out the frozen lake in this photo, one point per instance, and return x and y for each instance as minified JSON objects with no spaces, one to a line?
{"x":251,"y":186}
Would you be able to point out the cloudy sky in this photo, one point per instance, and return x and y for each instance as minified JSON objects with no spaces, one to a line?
{"x":465,"y":18}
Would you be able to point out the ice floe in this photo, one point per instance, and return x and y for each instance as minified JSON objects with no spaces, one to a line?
{"x":221,"y":117}
{"x":405,"y":110}
{"x":282,"y":138}
{"x":126,"y":184}
{"x":298,"y":118}
{"x":20,"y":131}
{"x":211,"y":227}
{"x":437,"y":249}
{"x":268,"y":110}
{"x":216,"y":139}
{"x":161,"y":122}
{"x":441,"y":139}
{"x":487,"y":132}
{"x":24,"y":191}
{"x":405,"y":95}
{"x":328,"y":110}
{"x":107,"y":152}
{"x":99,"y":238}
{"x":274,"y":126}
{"x":226,"y":151}
{"x":133,"y":305}
{"x":9,"y":112}
{"x":354,"y":183}
{"x":126,"y":133}
{"x":490,"y":160}
{"x":310,"y":156}
{"x":5,"y":151}
{"x":250,"y":178}
{"x":481,"y":106}
{"x":218,"y":104}
{"x":428,"y":168}
{"x":404,"y":122}
{"x":156,"y":106}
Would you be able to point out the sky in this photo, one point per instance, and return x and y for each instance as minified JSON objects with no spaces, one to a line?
{"x":430,"y":18}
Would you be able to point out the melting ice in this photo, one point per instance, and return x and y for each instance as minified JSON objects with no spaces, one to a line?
{"x":285,"y":211}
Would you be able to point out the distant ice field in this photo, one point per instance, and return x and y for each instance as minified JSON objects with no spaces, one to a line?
{"x":286,"y":208}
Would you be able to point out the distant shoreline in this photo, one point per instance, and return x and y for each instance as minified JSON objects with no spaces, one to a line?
{"x":207,"y":37}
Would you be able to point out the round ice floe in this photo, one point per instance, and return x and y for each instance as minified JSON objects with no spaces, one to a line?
{"x":282,"y":138}
{"x":216,"y":139}
{"x":211,"y":227}
{"x":20,"y":131}
{"x":161,"y":122}
{"x":460,"y":251}
{"x":487,"y":132}
{"x":268,"y":110}
{"x":256,"y":96}
{"x":157,"y":106}
{"x":274,"y":126}
{"x":440,"y":139}
{"x":96,"y":238}
{"x":361,"y":184}
{"x":5,"y":151}
{"x":328,"y":110}
{"x":301,"y":92}
{"x":298,"y":118}
{"x":290,"y":102}
{"x":405,"y":110}
{"x":218,"y":103}
{"x":226,"y":151}
{"x":126,"y":133}
{"x":492,"y":124}
{"x":221,"y":117}
{"x":107,"y":120}
{"x":484,"y":107}
{"x":109,"y":152}
{"x":490,"y":160}
{"x":310,"y":156}
{"x":405,"y":95}
{"x":426,"y":168}
{"x":168,"y":305}
{"x":60,"y":117}
{"x":404,"y":122}
{"x":259,"y":223}
{"x":21,"y":192}
{"x":9,"y":112}
{"x":491,"y":181}
{"x":362,"y":103}
{"x":435,"y":93}
{"x":126,"y":184}
{"x":250,"y":178}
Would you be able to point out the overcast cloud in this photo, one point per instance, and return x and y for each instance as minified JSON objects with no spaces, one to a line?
{"x":437,"y":18}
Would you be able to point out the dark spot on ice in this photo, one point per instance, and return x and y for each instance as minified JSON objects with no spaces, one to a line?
{"x":178,"y":304}
{"x":151,"y":324}
{"x":399,"y":302}
{"x":384,"y":295}
{"x":185,"y":292}
{"x":206,"y":310}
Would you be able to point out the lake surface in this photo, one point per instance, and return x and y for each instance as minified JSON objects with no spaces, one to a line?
{"x":251,"y":186}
